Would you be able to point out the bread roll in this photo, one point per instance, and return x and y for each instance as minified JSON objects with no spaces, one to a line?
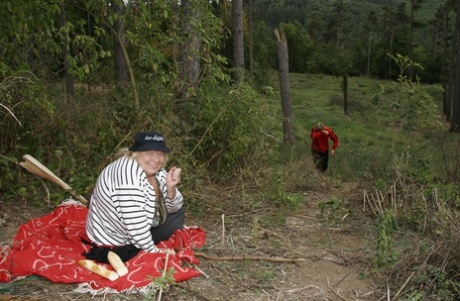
{"x":98,"y":269}
{"x":117,"y":264}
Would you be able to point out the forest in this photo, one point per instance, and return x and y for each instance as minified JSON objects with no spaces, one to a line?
{"x":235,"y":87}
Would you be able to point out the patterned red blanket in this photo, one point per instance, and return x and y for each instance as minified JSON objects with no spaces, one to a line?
{"x":51,"y":246}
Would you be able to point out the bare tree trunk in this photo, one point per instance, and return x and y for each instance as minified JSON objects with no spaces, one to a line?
{"x":411,"y":39}
{"x":189,"y":55}
{"x":119,"y":41}
{"x":345,"y":94}
{"x":123,"y":70}
{"x":455,"y":122}
{"x":238,"y":41}
{"x":286,"y":103}
{"x":390,"y":61}
{"x":445,"y":71}
{"x":251,"y":44}
{"x":452,"y":64}
{"x":369,"y":53}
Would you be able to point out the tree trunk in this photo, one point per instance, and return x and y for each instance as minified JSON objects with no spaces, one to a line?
{"x":452,"y":64}
{"x":251,"y":44}
{"x":390,"y":61}
{"x":411,"y":39}
{"x":119,"y":41}
{"x":189,"y":55}
{"x":69,"y":86}
{"x":455,"y":123}
{"x":345,"y":94}
{"x":445,"y":70}
{"x":286,"y":103}
{"x":238,"y":41}
{"x":369,"y":54}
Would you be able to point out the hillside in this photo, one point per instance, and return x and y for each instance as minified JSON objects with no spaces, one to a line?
{"x":336,"y":257}
{"x":278,"y":206}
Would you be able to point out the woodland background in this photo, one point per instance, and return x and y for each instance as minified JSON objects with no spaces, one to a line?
{"x":235,"y":87}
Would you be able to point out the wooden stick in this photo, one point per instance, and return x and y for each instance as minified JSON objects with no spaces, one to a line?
{"x":223,"y":230}
{"x":35,"y":167}
{"x":404,"y":285}
{"x":334,"y":291}
{"x":366,"y":198}
{"x":272,"y":259}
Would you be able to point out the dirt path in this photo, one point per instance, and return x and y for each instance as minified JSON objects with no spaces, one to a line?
{"x":334,"y":250}
{"x":334,"y":267}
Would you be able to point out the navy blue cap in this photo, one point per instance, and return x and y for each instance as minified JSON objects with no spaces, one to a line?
{"x":148,"y":141}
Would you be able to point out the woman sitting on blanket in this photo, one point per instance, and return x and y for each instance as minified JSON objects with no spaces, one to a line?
{"x":135,"y":203}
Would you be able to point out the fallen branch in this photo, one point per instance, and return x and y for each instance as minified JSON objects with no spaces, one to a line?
{"x":404,"y":285}
{"x":336,"y":292}
{"x":263,"y":258}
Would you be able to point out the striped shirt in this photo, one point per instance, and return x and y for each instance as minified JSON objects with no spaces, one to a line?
{"x":122,"y":207}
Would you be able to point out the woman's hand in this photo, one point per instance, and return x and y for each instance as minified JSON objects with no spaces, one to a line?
{"x":172,"y":180}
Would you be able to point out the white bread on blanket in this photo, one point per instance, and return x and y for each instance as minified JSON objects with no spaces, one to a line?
{"x":117,"y":264}
{"x":98,"y":269}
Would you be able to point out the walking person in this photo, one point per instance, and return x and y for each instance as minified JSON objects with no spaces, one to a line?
{"x":320,"y":136}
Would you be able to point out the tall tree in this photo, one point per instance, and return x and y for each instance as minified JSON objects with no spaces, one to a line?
{"x":250,"y":38}
{"x":70,"y":90}
{"x":190,"y":49}
{"x":454,"y":79}
{"x":415,"y":5}
{"x":371,"y":23}
{"x":286,"y":102}
{"x":119,"y":42}
{"x":27,"y":36}
{"x":300,"y":45}
{"x":238,"y":41}
{"x":444,"y":16}
{"x":339,"y":15}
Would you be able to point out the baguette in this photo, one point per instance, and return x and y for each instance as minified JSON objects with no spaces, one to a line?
{"x":98,"y":269}
{"x":117,"y":264}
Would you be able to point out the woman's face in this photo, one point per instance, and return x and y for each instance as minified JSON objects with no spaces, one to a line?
{"x":151,"y":161}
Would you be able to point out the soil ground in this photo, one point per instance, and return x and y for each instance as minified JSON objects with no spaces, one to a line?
{"x":238,"y":260}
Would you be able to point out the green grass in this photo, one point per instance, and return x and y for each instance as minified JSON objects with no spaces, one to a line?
{"x":373,"y":143}
{"x":374,"y":151}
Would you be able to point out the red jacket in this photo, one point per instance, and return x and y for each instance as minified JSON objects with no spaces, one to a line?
{"x":320,"y":140}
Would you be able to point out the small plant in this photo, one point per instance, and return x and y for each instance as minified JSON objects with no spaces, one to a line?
{"x":386,"y":254}
{"x":335,"y":209}
{"x":433,"y":281}
{"x":161,"y":284}
{"x":414,"y":103}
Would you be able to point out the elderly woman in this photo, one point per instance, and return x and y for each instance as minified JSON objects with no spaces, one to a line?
{"x":135,"y":203}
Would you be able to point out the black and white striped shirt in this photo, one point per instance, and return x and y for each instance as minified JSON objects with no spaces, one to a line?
{"x":122,"y":208}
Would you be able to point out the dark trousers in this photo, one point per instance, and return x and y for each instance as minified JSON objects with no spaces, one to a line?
{"x":320,"y":159}
{"x":174,"y":222}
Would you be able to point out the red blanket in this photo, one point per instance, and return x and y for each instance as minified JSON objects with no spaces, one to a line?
{"x":51,"y":246}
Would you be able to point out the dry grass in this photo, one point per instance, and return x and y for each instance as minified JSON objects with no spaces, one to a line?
{"x":317,"y":260}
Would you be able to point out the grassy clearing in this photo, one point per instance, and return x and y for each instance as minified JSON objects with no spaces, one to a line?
{"x":375,"y":152}
{"x":372,"y":140}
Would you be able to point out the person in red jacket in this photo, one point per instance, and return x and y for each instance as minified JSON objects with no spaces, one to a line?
{"x":320,"y":135}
